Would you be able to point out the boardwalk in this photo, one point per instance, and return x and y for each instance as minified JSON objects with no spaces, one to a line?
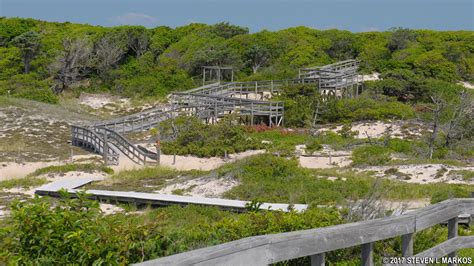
{"x":156,"y":199}
{"x":248,"y":100}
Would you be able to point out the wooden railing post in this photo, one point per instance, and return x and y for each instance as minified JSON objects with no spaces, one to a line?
{"x":367,"y":258}
{"x":452,"y":233}
{"x":407,"y":245}
{"x":105,"y":149}
{"x":318,"y":259}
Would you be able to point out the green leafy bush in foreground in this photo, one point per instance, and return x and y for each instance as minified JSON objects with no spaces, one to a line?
{"x":43,"y":231}
{"x":74,"y":230}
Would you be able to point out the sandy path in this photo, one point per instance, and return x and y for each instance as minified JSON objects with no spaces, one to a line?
{"x":188,"y":162}
{"x":9,"y":170}
{"x":378,"y":128}
{"x":326,"y":158}
{"x":207,"y":187}
{"x":19,"y":170}
{"x":421,"y":173}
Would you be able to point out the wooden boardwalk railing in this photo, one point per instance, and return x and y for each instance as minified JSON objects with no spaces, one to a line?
{"x":211,"y":102}
{"x":273,"y":248}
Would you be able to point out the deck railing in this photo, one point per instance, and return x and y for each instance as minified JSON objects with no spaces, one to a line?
{"x":273,"y":248}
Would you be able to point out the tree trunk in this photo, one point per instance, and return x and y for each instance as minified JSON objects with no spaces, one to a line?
{"x":26,"y":62}
{"x":255,"y":68}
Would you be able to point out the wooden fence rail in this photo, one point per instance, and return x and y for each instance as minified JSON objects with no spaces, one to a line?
{"x":269,"y":249}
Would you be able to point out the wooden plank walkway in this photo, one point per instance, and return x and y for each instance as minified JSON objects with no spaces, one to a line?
{"x":156,"y":199}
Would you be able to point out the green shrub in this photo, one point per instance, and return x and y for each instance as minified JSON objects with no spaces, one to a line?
{"x":400,"y":145}
{"x":313,"y":144}
{"x":42,"y":232}
{"x":29,"y":87}
{"x":85,"y":167}
{"x":370,"y":155}
{"x":203,"y":140}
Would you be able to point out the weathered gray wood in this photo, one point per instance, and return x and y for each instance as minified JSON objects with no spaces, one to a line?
{"x":452,"y":233}
{"x":223,"y":99}
{"x":407,"y":245}
{"x":447,"y":247}
{"x":431,"y":215}
{"x":318,"y":259}
{"x":367,"y":256}
{"x":291,"y":245}
{"x":157,"y":199}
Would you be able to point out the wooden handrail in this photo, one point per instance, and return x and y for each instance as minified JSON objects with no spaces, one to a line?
{"x":218,"y":100}
{"x":268,"y":249}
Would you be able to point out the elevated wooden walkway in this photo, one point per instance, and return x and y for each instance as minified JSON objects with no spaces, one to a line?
{"x":154,"y":199}
{"x":249,"y":100}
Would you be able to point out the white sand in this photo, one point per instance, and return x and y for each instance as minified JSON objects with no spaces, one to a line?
{"x":377,"y":130}
{"x":9,"y":170}
{"x":188,"y":162}
{"x":20,"y":170}
{"x":208,"y":187}
{"x":373,"y":76}
{"x":324,"y":162}
{"x":326,"y":158}
{"x":466,"y":84}
{"x":108,"y":209}
{"x":97,"y":101}
{"x":422,"y":173}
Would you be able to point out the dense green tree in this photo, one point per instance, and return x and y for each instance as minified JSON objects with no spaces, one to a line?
{"x":72,"y":64}
{"x":257,"y":56}
{"x":12,"y":27}
{"x":226,"y":30}
{"x":29,"y":45}
{"x":401,"y":39}
{"x":107,"y":54}
{"x":172,"y":58}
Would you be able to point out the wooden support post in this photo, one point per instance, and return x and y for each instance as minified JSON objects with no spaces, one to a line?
{"x":452,"y":233}
{"x":174,"y":159}
{"x":318,"y":260}
{"x":407,"y":245}
{"x":256,"y":90}
{"x":203,"y":76}
{"x":105,"y":147}
{"x":367,"y":254}
{"x":251,"y":114}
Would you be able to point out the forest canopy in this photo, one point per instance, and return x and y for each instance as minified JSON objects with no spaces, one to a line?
{"x":41,"y":59}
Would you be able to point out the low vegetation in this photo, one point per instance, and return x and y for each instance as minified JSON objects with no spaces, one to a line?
{"x":191,"y":136}
{"x":25,"y":183}
{"x":82,"y":167}
{"x":272,"y":179}
{"x":147,"y":179}
{"x":42,"y":231}
{"x":370,"y":155}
